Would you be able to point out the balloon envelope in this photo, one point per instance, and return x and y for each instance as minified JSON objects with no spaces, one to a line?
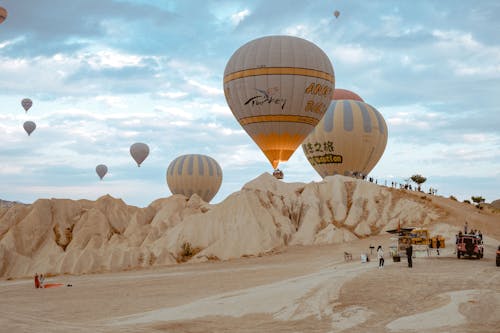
{"x":278,"y":88}
{"x":194,"y":173}
{"x":139,"y":152}
{"x":346,"y":94}
{"x":101,"y":170}
{"x":3,"y":14}
{"x":336,"y":13}
{"x":350,"y":139}
{"x":29,"y":126}
{"x":26,"y":103}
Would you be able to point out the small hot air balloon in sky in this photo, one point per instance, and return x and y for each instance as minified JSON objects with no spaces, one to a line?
{"x":101,"y":170}
{"x":26,"y":103}
{"x":3,"y":14}
{"x":278,"y":88}
{"x":29,"y":127}
{"x":336,"y":14}
{"x":194,"y":173}
{"x":139,"y":152}
{"x":349,"y":140}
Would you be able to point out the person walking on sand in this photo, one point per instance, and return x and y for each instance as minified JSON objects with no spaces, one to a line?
{"x":37,"y":281}
{"x":409,"y":254}
{"x":380,"y":256}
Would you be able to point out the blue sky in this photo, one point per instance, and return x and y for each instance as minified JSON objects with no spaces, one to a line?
{"x":104,"y":74}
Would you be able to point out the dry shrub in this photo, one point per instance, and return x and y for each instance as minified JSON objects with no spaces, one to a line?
{"x":453,"y":198}
{"x":187,"y":252}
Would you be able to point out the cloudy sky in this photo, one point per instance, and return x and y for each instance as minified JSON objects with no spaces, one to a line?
{"x":104,"y":74}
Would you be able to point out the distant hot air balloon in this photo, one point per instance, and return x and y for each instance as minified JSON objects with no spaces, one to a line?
{"x":101,"y":170}
{"x":349,"y":140}
{"x":26,"y":103}
{"x":346,"y":94}
{"x":139,"y":152}
{"x":3,"y":14}
{"x":29,"y":127}
{"x":278,"y":88}
{"x":194,"y":173}
{"x":336,"y":14}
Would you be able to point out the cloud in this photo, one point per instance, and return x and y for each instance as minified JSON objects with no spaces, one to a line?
{"x":239,"y":16}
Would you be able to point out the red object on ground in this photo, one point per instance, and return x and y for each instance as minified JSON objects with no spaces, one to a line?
{"x":52,"y":285}
{"x":37,"y":282}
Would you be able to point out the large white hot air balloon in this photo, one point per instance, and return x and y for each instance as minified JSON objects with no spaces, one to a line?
{"x":29,"y":127}
{"x":101,"y":170}
{"x":139,"y":152}
{"x":278,"y":88}
{"x":194,"y":173}
{"x":26,"y":103}
{"x":349,"y":140}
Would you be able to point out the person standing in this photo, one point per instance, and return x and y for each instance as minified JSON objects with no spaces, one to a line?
{"x":380,"y":256}
{"x":42,"y":279}
{"x":465,"y":227}
{"x":438,"y":245}
{"x":409,"y":254}
{"x":37,"y":281}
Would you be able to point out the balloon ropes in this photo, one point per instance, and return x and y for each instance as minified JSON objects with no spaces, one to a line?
{"x":278,"y":88}
{"x":194,"y":173}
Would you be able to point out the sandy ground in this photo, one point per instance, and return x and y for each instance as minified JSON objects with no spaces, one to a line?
{"x":303,"y":289}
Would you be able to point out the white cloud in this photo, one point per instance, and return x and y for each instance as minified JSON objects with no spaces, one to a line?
{"x":237,"y":18}
{"x":173,"y":94}
{"x":113,"y":59}
{"x":112,"y":101}
{"x":299,"y":30}
{"x":355,"y":54}
{"x":206,"y":89}
{"x":454,"y":38}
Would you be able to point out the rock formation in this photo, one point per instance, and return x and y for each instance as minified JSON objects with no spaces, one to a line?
{"x":58,"y":236}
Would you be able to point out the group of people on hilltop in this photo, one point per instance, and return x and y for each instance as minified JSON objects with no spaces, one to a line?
{"x":472,"y":232}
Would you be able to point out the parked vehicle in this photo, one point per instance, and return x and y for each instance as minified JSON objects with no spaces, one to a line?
{"x":470,"y":245}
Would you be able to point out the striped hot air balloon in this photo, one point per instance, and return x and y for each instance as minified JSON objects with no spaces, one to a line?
{"x":278,"y":88}
{"x":194,"y":173}
{"x":349,"y":140}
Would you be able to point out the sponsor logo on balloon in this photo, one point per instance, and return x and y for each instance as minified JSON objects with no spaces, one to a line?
{"x":325,"y":159}
{"x":324,"y":147}
{"x":266,"y":96}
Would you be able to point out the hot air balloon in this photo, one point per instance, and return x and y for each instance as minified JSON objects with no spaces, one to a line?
{"x":26,"y":103}
{"x":278,"y":88}
{"x":29,"y":127}
{"x":3,"y":14}
{"x":194,"y":173}
{"x":336,"y":14}
{"x":139,"y":152}
{"x":346,"y":94}
{"x":349,"y":140}
{"x":101,"y":170}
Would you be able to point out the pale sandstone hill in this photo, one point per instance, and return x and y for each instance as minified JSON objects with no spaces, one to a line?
{"x":60,"y":236}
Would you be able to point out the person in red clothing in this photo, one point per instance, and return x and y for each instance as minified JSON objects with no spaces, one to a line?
{"x":37,"y":281}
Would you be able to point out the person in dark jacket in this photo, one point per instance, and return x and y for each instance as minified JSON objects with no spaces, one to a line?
{"x":409,"y":253}
{"x":438,"y":245}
